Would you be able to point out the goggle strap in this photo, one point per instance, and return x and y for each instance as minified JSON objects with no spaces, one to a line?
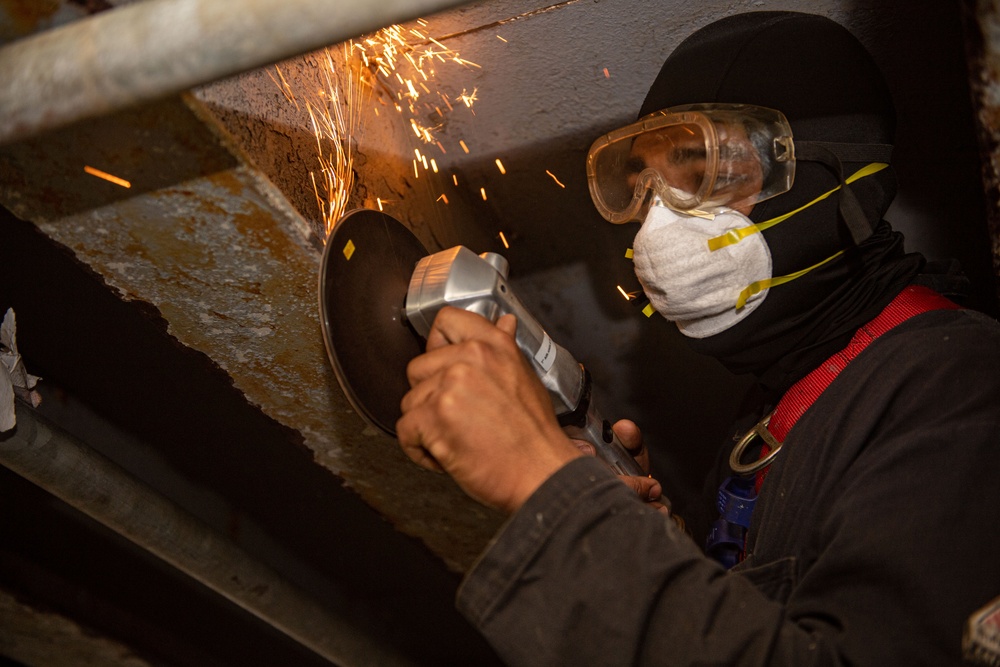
{"x":852,"y":152}
{"x":830,"y":154}
{"x":736,"y":235}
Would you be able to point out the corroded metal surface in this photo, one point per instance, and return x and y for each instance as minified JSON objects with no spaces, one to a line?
{"x":982,"y":26}
{"x":229,"y":264}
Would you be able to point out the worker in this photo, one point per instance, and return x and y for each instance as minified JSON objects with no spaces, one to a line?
{"x":860,"y":495}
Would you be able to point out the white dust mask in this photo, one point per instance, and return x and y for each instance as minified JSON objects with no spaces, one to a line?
{"x":692,"y":285}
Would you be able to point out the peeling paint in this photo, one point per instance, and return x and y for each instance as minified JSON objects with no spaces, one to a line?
{"x":982,"y":19}
{"x":234,"y":277}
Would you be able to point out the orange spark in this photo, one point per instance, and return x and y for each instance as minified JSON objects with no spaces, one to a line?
{"x":468,"y":99}
{"x":500,"y":166}
{"x":554,"y":178}
{"x":504,"y":239}
{"x":106,"y":176}
{"x":285,"y":89}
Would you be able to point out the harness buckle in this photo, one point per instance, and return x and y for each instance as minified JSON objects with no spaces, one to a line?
{"x":759,"y":430}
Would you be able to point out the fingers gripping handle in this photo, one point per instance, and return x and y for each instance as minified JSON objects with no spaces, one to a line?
{"x":460,"y":278}
{"x":585,"y":423}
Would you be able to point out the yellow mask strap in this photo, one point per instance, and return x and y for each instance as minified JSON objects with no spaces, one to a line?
{"x":736,"y":235}
{"x":761,"y":285}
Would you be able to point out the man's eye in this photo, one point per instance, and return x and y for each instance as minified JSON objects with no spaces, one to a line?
{"x":634,"y":166}
{"x":684,"y":155}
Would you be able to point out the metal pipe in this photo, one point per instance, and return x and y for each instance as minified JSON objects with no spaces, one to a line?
{"x":89,"y":482}
{"x":144,"y":51}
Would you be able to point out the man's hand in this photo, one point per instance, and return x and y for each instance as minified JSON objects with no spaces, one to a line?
{"x":647,"y":488}
{"x":477,"y":411}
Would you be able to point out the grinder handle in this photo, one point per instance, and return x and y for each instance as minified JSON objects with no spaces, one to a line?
{"x":566,"y":379}
{"x":587,"y":424}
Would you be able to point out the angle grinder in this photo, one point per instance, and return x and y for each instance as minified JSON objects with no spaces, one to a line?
{"x":379,"y":291}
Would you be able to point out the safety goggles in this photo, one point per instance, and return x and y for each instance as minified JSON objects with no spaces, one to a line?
{"x":698,"y":157}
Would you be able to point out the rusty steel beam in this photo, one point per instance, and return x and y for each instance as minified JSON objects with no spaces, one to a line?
{"x":208,"y":241}
{"x":148,"y":50}
{"x":982,"y":29}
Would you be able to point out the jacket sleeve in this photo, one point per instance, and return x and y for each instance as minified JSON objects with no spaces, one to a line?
{"x":889,"y":523}
{"x":585,"y":573}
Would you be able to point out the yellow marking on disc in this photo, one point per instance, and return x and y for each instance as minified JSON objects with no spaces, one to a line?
{"x":648,"y":310}
{"x":349,"y":249}
{"x":628,"y":253}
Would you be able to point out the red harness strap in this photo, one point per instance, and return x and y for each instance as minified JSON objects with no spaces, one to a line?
{"x":911,"y":301}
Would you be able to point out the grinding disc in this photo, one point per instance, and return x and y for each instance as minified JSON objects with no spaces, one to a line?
{"x":367,"y":264}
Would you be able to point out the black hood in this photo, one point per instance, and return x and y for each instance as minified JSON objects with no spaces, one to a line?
{"x":827,"y":85}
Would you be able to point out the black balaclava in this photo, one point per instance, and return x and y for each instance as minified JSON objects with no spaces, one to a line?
{"x":827,"y":85}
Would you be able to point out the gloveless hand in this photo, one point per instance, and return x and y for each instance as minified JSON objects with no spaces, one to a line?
{"x":647,"y":488}
{"x":477,"y":411}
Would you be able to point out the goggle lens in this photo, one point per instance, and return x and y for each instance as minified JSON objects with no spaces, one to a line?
{"x":699,"y":157}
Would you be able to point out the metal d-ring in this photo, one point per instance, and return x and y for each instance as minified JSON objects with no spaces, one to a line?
{"x":760,"y":430}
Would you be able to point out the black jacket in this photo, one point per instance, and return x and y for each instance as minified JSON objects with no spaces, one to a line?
{"x":875,"y":536}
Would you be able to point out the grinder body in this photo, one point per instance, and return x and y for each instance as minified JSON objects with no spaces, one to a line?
{"x":478,"y":283}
